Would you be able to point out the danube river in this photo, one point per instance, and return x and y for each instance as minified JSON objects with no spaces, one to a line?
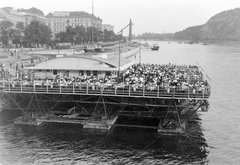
{"x":212,"y":138}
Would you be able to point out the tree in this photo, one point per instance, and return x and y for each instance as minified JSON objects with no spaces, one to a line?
{"x":80,"y":34}
{"x":19,"y":26}
{"x":36,"y":33}
{"x":61,"y":37}
{"x":5,"y":27}
{"x":4,"y":36}
{"x":15,"y":35}
{"x":71,"y":34}
{"x":109,"y":35}
{"x":6,"y":24}
{"x":19,"y":35}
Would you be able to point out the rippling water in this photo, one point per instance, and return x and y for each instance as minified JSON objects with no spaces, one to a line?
{"x":212,"y":138}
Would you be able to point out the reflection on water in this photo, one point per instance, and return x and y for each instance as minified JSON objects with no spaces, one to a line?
{"x":70,"y":144}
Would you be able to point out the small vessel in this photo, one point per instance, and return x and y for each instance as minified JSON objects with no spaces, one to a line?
{"x":27,"y":121}
{"x":89,"y":48}
{"x":155,"y":47}
{"x":206,"y":43}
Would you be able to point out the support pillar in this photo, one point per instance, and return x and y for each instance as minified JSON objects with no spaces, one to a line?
{"x":172,"y":122}
{"x":105,"y":122}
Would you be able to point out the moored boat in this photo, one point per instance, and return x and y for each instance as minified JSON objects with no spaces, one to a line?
{"x":155,"y":47}
{"x":27,"y":121}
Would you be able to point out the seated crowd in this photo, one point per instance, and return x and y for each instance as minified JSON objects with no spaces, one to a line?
{"x":149,"y":76}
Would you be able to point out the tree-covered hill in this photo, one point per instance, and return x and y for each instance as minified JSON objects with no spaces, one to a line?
{"x":224,"y":26}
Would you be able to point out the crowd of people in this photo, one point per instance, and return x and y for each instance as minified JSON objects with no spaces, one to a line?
{"x":179,"y":77}
{"x":149,"y":76}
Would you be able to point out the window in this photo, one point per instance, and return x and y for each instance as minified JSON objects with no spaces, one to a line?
{"x":88,"y":73}
{"x":95,"y":73}
{"x":81,"y":73}
{"x":108,"y":73}
{"x":54,"y":72}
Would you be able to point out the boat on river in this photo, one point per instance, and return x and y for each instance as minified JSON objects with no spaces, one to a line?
{"x":155,"y":47}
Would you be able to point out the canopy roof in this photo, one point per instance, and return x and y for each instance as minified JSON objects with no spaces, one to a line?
{"x":84,"y":63}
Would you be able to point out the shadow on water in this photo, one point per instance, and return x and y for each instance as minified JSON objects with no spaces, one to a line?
{"x":54,"y":143}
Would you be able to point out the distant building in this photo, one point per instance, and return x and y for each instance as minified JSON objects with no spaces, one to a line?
{"x":60,"y":20}
{"x":14,"y":16}
{"x":107,"y":27}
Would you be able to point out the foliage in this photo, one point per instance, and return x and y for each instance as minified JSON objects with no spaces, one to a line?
{"x":155,"y":36}
{"x":191,"y":33}
{"x":5,"y":24}
{"x":36,"y":33}
{"x":19,"y":26}
{"x":5,"y":27}
{"x":4,"y":36}
{"x":80,"y":34}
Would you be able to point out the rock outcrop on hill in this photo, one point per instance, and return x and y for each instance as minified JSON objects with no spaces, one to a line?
{"x":32,"y":10}
{"x":224,"y":26}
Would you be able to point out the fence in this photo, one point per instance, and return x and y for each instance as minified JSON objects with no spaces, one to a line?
{"x":107,"y":90}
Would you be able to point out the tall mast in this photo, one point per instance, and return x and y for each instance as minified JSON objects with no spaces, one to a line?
{"x":92,"y":23}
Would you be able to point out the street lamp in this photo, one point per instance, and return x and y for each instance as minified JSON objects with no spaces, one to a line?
{"x":58,"y":45}
{"x":140,"y":52}
{"x":1,"y":39}
{"x":21,"y":39}
{"x":74,"y":39}
{"x":119,"y":59}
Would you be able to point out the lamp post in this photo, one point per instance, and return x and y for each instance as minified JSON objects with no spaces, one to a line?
{"x":21,"y":39}
{"x":34,"y":38}
{"x":58,"y":39}
{"x":119,"y":59}
{"x":74,"y":39}
{"x":140,"y":52}
{"x":1,"y":39}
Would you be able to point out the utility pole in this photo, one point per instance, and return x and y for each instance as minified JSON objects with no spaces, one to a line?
{"x":140,"y":52}
{"x":58,"y":39}
{"x":92,"y":22}
{"x":119,"y":59}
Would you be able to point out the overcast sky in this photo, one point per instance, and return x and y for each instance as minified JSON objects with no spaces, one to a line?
{"x":156,"y":16}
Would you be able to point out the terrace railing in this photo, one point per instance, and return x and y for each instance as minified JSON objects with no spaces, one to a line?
{"x":108,"y":90}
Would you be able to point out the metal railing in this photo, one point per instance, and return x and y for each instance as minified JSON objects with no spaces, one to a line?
{"x":108,"y":90}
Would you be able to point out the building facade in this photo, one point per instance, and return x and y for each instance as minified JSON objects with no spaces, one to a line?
{"x":14,"y":16}
{"x":107,"y":27}
{"x":58,"y":21}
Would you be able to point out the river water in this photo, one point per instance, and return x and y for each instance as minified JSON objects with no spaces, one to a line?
{"x":212,"y":138}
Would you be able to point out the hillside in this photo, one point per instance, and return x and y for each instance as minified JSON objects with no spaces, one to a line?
{"x":224,"y":26}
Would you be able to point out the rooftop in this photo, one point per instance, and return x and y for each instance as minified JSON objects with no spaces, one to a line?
{"x":82,"y":62}
{"x":70,"y":14}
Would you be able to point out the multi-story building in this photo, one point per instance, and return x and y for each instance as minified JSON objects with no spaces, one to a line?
{"x":14,"y":16}
{"x":107,"y":27}
{"x":60,"y":20}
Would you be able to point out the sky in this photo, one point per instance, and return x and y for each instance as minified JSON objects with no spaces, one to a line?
{"x":155,"y":16}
